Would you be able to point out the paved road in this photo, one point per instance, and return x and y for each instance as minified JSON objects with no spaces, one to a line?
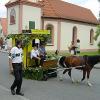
{"x":53,"y":89}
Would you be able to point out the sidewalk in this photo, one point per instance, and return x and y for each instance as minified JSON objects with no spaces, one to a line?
{"x":97,"y":66}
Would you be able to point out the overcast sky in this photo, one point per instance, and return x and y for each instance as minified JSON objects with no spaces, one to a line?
{"x":93,"y":5}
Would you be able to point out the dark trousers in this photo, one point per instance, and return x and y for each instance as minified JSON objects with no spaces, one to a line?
{"x":37,"y":61}
{"x":17,"y":68}
{"x":42,"y":59}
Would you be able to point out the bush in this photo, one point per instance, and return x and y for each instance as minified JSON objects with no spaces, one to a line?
{"x":33,"y":73}
{"x":99,"y":46}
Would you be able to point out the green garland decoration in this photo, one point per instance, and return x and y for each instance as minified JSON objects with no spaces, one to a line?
{"x":26,"y":38}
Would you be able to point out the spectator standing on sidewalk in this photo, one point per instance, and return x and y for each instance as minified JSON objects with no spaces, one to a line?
{"x":78,"y":47}
{"x":1,"y":43}
{"x":72,"y":48}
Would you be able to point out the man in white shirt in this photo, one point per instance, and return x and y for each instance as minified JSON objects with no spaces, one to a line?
{"x":16,"y":60}
{"x":35,"y":55}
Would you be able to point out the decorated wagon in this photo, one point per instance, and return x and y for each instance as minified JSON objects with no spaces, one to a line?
{"x":27,"y":38}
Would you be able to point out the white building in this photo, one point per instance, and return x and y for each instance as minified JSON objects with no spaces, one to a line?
{"x":66,"y":22}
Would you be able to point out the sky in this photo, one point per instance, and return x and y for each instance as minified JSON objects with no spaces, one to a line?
{"x":93,"y":5}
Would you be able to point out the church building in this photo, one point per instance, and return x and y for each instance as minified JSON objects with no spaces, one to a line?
{"x":67,"y":22}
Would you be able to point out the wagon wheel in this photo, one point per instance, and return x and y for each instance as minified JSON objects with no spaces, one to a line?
{"x":45,"y":77}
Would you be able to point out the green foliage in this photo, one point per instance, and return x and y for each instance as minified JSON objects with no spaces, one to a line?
{"x":52,"y":57}
{"x":89,"y":53}
{"x":97,"y":35}
{"x":10,"y":36}
{"x":97,"y":32}
{"x":26,"y":38}
{"x":99,"y":46}
{"x":33,"y":73}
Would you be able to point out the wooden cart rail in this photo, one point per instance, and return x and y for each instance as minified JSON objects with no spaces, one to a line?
{"x":49,"y":64}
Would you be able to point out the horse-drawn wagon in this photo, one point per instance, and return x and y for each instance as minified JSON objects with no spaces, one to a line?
{"x":27,"y":39}
{"x":48,"y":69}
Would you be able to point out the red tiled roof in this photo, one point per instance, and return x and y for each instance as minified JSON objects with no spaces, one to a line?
{"x":4,"y":25}
{"x":65,"y":10}
{"x":12,"y":3}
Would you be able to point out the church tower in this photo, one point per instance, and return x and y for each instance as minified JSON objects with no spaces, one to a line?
{"x":23,"y":14}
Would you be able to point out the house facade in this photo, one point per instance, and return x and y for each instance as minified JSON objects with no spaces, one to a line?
{"x":66,"y":22}
{"x":3,"y":27}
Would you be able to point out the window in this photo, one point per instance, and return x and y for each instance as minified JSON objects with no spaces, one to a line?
{"x":12,"y":16}
{"x":31,"y":25}
{"x":74,"y":35}
{"x":50,"y":36}
{"x":91,"y":36}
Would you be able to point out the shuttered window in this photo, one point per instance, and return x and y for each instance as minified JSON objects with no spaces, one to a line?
{"x":31,"y":24}
{"x":50,"y":36}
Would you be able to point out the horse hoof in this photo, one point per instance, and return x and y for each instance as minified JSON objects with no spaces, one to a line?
{"x":77,"y":81}
{"x":89,"y":84}
{"x":73,"y":82}
{"x":60,"y":79}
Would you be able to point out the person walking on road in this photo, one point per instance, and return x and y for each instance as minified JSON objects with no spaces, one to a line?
{"x":16,"y":67}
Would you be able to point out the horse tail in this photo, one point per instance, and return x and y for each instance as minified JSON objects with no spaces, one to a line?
{"x":61,"y":61}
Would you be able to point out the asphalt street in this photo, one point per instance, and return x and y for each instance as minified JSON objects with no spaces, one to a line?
{"x":52,"y":89}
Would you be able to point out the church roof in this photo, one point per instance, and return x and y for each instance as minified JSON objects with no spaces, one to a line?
{"x":61,"y":10}
{"x":26,"y":2}
{"x":65,"y":10}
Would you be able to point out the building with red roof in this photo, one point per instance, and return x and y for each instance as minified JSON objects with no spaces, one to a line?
{"x":67,"y":22}
{"x":3,"y":26}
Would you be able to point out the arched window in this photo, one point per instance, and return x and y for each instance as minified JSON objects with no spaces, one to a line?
{"x":12,"y":16}
{"x":74,"y":35}
{"x":50,"y":36}
{"x":91,"y":36}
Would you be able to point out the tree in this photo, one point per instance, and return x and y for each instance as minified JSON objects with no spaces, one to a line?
{"x":99,"y":10}
{"x":97,"y":32}
{"x":97,"y":35}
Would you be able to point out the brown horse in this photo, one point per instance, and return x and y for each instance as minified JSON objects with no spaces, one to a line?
{"x":84,"y":63}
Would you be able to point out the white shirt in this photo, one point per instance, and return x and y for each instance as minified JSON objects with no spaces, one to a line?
{"x":78,"y":47}
{"x":16,"y":55}
{"x":34,"y":53}
{"x":37,"y":41}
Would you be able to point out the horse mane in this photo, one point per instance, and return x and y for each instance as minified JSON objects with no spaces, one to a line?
{"x":92,"y":60}
{"x":61,"y":61}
